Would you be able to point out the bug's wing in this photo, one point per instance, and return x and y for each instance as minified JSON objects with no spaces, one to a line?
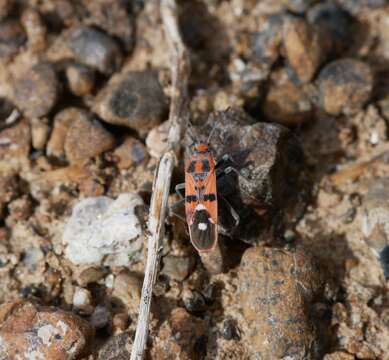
{"x":210,"y":195}
{"x":202,"y":230}
{"x":191,"y":198}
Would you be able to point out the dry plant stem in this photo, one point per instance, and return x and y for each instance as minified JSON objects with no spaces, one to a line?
{"x":158,"y":207}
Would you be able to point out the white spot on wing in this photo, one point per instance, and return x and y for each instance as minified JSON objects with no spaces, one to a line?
{"x":202,"y":226}
{"x":200,"y":207}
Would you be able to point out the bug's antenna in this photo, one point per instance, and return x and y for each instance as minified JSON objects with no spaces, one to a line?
{"x":190,"y":132}
{"x":213,"y":130}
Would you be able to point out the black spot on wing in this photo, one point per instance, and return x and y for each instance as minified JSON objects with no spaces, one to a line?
{"x":203,"y":237}
{"x":190,"y":198}
{"x":192,"y":167}
{"x":209,"y":197}
{"x":205,"y":166}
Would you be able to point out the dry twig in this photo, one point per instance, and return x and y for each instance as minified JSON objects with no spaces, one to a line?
{"x":177,"y":118}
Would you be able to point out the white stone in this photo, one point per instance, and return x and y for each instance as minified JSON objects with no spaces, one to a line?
{"x":104,"y":231}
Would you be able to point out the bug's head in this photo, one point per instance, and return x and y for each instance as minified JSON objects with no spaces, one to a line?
{"x":200,"y":148}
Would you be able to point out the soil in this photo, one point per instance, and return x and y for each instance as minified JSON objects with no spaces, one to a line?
{"x":92,"y":99}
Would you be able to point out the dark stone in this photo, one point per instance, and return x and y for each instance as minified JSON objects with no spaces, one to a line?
{"x":96,"y":49}
{"x":194,"y":302}
{"x":269,"y":161}
{"x":230,"y":330}
{"x":345,"y":85}
{"x":116,"y":348}
{"x":12,"y":37}
{"x":133,"y":99}
{"x":35,"y":91}
{"x":335,"y":23}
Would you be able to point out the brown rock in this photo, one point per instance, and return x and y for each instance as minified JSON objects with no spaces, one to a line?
{"x":12,"y":37}
{"x":303,"y":48}
{"x":20,"y":209}
{"x":287,"y":104}
{"x":5,"y":8}
{"x":94,"y":48}
{"x":345,"y":85}
{"x":81,"y":79}
{"x":127,"y":289}
{"x":62,"y":122}
{"x":40,"y":131}
{"x":28,"y":331}
{"x":338,"y":355}
{"x":86,"y":138}
{"x":118,"y":347}
{"x":35,"y":29}
{"x":180,"y":337}
{"x":178,"y":267}
{"x":118,"y":21}
{"x":276,"y":289}
{"x":15,"y":141}
{"x":130,"y":152}
{"x":9,"y":190}
{"x":35,"y":91}
{"x":133,"y":99}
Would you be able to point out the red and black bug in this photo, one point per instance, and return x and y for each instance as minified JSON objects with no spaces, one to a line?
{"x":201,"y":198}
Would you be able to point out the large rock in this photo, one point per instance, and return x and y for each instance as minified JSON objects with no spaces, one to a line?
{"x":270,"y":163}
{"x":30,"y":332}
{"x":89,"y":234}
{"x":276,"y":290}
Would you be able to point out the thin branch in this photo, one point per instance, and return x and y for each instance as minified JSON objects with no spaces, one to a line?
{"x":158,"y":208}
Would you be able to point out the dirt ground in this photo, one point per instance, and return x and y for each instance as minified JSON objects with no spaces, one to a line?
{"x":84,"y":99}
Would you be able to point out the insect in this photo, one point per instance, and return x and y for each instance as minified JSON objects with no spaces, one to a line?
{"x":201,"y":198}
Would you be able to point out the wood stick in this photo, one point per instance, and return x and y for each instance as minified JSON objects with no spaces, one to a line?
{"x":158,"y":208}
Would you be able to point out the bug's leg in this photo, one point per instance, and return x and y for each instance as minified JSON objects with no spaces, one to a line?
{"x":230,"y":169}
{"x":233,"y":212}
{"x":178,"y":188}
{"x":175,"y":206}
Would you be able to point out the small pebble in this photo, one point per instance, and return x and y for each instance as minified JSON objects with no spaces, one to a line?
{"x":5,"y":8}
{"x":35,"y":91}
{"x":178,"y":267}
{"x":130,"y":153}
{"x":345,"y":85}
{"x":12,"y":37}
{"x":9,"y":190}
{"x":90,"y":188}
{"x":375,"y":221}
{"x":100,"y":317}
{"x":82,"y":300}
{"x":181,"y":334}
{"x":299,"y":6}
{"x":230,"y":330}
{"x":287,"y":104}
{"x":118,"y":347}
{"x":127,"y":288}
{"x":132,"y":99}
{"x":40,"y":131}
{"x":35,"y":29}
{"x":335,"y":24}
{"x":95,"y":48}
{"x":118,"y":21}
{"x":90,"y":275}
{"x":81,"y":79}
{"x":194,"y":302}
{"x":265,"y":44}
{"x":15,"y":141}
{"x":120,"y":322}
{"x":303,"y":48}
{"x":34,"y":332}
{"x":156,"y":140}
{"x":32,"y":257}
{"x":20,"y":209}
{"x":62,"y":122}
{"x":86,"y":138}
